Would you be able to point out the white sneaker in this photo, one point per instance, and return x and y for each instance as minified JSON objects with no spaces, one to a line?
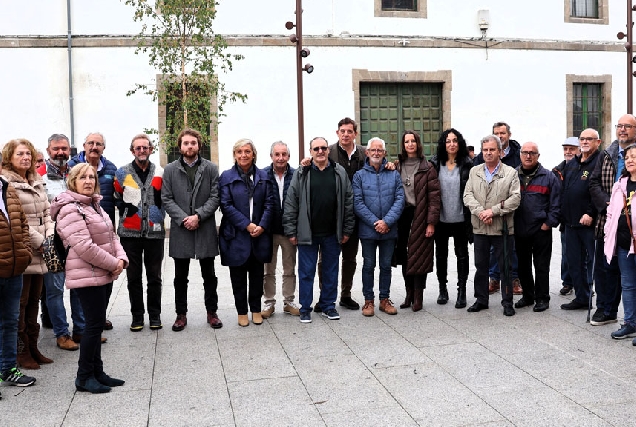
{"x":291,"y":308}
{"x":268,"y":310}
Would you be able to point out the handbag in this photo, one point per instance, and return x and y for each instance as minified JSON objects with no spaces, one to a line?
{"x":54,"y":251}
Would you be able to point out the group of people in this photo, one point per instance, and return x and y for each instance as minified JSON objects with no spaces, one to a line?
{"x":342,"y":197}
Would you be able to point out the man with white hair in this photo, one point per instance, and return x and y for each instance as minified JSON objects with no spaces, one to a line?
{"x":378,"y":201}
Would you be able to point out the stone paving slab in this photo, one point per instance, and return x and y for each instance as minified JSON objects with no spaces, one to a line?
{"x":438,"y":367}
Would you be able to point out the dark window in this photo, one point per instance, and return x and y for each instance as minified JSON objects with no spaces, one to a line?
{"x":399,"y":5}
{"x":584,"y":8}
{"x":587,"y":108}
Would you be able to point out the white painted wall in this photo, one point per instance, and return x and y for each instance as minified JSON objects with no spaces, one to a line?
{"x":524,"y":88}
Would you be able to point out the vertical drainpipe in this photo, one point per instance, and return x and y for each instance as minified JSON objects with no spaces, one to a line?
{"x":70,"y":77}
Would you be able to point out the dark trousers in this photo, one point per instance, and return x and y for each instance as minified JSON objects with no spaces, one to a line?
{"x":210,"y":281}
{"x":482,"y":246}
{"x":443,"y":232}
{"x":94,"y":300}
{"x":149,"y":253}
{"x":607,"y":281}
{"x":536,"y":249}
{"x":253,"y":271}
{"x":576,"y":238}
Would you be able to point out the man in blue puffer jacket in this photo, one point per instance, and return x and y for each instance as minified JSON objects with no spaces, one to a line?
{"x":378,"y":201}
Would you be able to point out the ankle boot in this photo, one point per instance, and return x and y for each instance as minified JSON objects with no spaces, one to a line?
{"x":409,"y":297}
{"x":461,"y":295}
{"x":24,"y":359}
{"x":443,"y":294}
{"x":418,"y":297}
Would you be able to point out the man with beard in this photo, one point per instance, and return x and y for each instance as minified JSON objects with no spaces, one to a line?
{"x":54,"y":176}
{"x":141,"y":230}
{"x":578,"y":214}
{"x":190,"y":195}
{"x":94,"y":146}
{"x":607,"y":171}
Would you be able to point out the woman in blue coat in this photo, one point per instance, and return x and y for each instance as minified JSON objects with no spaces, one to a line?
{"x":245,"y":240}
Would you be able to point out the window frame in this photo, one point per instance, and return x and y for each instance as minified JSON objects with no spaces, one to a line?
{"x":419,"y":13}
{"x":603,"y":14}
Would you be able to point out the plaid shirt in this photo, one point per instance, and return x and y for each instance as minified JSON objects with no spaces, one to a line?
{"x":603,"y":179}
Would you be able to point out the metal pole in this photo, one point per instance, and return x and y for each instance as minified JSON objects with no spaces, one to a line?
{"x":630,"y":64}
{"x":299,"y":80}
{"x":70,"y":73}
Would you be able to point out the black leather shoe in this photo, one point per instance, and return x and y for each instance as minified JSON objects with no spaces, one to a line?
{"x":541,"y":306}
{"x":523,"y":302}
{"x":573,"y":305}
{"x":317,"y":308}
{"x":443,"y":295}
{"x":109,"y":381}
{"x":477,"y":307}
{"x":509,"y":311}
{"x":348,"y":302}
{"x":91,"y":385}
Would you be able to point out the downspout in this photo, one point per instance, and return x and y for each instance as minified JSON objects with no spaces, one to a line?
{"x":70,"y":77}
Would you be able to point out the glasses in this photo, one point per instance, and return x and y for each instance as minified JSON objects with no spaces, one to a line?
{"x":317,"y":149}
{"x":529,"y":153}
{"x":94,"y":143}
{"x":141,"y":148}
{"x":622,"y":126}
{"x":375,"y":150}
{"x":587,"y":138}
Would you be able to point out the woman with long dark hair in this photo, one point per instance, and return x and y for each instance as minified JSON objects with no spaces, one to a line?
{"x":453,"y":165}
{"x":416,"y":227}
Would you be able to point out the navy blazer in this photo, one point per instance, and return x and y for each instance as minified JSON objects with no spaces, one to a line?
{"x":235,"y":242}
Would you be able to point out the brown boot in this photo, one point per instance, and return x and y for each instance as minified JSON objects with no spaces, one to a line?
{"x":387,"y":306}
{"x":409,"y":297}
{"x":418,"y":297}
{"x":25,"y":360}
{"x":368,"y":309}
{"x":37,"y":356}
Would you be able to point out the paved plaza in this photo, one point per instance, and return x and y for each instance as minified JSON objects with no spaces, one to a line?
{"x":437,"y":367}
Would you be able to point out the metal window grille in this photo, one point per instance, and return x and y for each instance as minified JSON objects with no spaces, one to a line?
{"x":584,"y":8}
{"x":399,"y":5}
{"x":587,"y":108}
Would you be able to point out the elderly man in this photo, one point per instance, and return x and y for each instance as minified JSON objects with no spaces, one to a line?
{"x":537,"y":214}
{"x":280,"y":175}
{"x":94,"y":146}
{"x":141,"y":229}
{"x":607,"y":171}
{"x":319,"y":215}
{"x":578,"y":215}
{"x":509,"y":156}
{"x":190,"y":196}
{"x":378,"y":201}
{"x":492,"y":195}
{"x":56,"y":171}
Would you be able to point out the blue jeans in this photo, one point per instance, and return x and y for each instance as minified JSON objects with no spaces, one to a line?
{"x":577,"y":238}
{"x":493,"y":268}
{"x":607,"y":282}
{"x":627,"y":265}
{"x":307,"y":260}
{"x":54,"y":283}
{"x":369,"y":247}
{"x":10,"y":292}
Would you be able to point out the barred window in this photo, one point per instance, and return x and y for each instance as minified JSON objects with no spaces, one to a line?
{"x":587,"y":106}
{"x":390,"y":5}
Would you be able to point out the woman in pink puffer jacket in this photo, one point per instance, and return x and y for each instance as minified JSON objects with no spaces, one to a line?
{"x":95,"y":258}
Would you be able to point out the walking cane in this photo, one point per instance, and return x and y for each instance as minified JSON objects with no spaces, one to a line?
{"x":589,"y":304}
{"x":506,"y":266}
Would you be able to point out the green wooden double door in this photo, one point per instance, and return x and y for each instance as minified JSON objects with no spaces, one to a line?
{"x":388,"y":109}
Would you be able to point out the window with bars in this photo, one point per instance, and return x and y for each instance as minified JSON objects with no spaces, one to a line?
{"x":399,"y":5}
{"x":587,"y":108}
{"x":584,"y":8}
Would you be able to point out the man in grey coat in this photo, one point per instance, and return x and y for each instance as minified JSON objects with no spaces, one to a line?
{"x":190,"y":196}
